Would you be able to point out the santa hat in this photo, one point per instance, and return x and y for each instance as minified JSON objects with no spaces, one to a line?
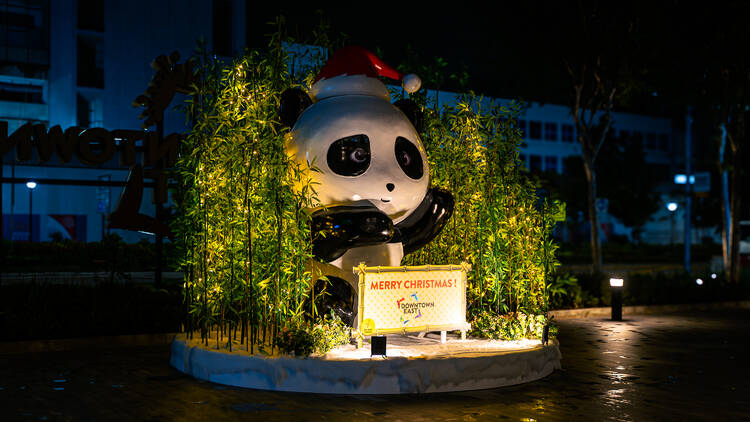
{"x":354,"y":70}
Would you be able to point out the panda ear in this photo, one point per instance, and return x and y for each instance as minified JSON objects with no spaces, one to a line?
{"x":293,"y":102}
{"x":412,"y":112}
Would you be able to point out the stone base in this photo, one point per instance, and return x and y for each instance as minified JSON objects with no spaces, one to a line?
{"x":413,"y":365}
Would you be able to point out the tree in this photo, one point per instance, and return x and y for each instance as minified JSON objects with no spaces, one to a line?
{"x":728,"y":82}
{"x":595,"y":58}
{"x":627,"y":182}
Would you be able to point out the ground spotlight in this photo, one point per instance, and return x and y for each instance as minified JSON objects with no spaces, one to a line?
{"x":699,"y":281}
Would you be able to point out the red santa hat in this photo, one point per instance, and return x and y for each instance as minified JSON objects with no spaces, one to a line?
{"x":354,"y":70}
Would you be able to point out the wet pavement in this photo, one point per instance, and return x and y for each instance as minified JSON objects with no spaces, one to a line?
{"x":647,"y":368}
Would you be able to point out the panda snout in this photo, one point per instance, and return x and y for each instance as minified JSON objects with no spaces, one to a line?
{"x":390,"y":187}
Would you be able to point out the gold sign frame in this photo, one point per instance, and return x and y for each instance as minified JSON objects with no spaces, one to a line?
{"x":362,"y":270}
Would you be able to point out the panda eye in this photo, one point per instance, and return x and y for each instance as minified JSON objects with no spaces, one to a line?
{"x":404,"y":159}
{"x":359,"y":155}
{"x":349,"y":156}
{"x":408,"y":158}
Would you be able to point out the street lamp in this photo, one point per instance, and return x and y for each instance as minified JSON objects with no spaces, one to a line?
{"x":672,"y":207}
{"x":31,"y":184}
{"x":615,"y":285}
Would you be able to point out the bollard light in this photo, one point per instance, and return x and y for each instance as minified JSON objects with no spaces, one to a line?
{"x":615,"y":286}
{"x":377,"y":346}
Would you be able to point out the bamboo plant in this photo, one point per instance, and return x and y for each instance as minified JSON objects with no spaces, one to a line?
{"x":245,"y":234}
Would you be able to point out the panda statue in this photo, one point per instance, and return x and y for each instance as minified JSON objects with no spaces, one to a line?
{"x":374,"y":202}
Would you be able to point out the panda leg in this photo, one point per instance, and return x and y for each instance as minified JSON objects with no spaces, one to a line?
{"x":335,"y":296}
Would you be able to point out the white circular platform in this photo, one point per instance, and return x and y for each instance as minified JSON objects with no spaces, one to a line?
{"x":413,"y":366}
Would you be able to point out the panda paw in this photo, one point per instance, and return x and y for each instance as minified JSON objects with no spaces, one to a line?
{"x":338,"y":229}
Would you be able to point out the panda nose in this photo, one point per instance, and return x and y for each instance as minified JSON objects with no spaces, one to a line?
{"x":390,"y":187}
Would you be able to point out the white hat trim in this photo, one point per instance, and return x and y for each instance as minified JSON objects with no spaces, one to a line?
{"x":349,"y":85}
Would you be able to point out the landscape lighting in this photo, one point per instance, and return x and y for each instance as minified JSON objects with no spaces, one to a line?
{"x":615,"y":285}
{"x":699,"y":281}
{"x":615,"y":282}
{"x":672,"y":206}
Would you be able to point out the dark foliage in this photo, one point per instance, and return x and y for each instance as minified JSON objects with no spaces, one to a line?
{"x":48,"y":311}
{"x":111,"y":254}
{"x":663,"y":288}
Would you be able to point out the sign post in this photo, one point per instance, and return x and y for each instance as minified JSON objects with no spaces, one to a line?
{"x":397,"y":300}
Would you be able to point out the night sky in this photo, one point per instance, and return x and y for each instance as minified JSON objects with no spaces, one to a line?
{"x":517,"y":50}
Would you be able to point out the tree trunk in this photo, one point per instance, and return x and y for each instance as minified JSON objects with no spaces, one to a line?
{"x":725,"y":207}
{"x":596,"y":252}
{"x":735,"y":197}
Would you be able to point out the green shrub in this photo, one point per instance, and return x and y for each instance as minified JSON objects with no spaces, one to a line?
{"x":320,"y":338}
{"x":295,"y":341}
{"x":329,"y":334}
{"x":565,"y":292}
{"x":487,"y":324}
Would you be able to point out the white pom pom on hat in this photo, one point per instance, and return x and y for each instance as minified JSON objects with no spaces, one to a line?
{"x":354,"y":70}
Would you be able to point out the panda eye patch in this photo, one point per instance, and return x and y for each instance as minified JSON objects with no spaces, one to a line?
{"x":408,"y":158}
{"x":349,"y":156}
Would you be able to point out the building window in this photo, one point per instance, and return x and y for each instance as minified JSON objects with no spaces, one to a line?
{"x":521,"y":124}
{"x":90,"y":62}
{"x":650,"y":141}
{"x":568,"y":133}
{"x":663,"y":142}
{"x":550,"y":131}
{"x":222,"y":27}
{"x":535,"y":163}
{"x":638,"y":137}
{"x":535,"y":129}
{"x":91,"y":15}
{"x":550,"y":163}
{"x":522,"y":158}
{"x":24,"y":38}
{"x":21,"y":93}
{"x":89,"y":112}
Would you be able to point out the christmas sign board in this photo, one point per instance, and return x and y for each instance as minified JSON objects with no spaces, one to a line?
{"x":412,"y":299}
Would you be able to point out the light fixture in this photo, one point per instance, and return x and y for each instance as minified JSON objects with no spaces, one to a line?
{"x":699,"y":281}
{"x":377,"y":346}
{"x":672,"y":206}
{"x":616,"y":282}
{"x":615,"y":286}
{"x":713,"y":276}
{"x":31,"y":184}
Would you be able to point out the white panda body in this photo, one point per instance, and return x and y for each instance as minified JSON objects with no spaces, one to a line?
{"x":384,"y":183}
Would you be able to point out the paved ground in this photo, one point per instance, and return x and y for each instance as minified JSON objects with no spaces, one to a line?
{"x":648,"y":368}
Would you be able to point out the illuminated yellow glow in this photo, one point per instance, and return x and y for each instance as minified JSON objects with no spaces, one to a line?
{"x":412,"y":299}
{"x":615,"y":282}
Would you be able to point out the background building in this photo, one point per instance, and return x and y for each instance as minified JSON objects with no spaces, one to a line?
{"x":82,"y":63}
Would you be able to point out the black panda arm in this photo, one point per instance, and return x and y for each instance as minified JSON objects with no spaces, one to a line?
{"x":340,"y":228}
{"x":426,"y":222}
